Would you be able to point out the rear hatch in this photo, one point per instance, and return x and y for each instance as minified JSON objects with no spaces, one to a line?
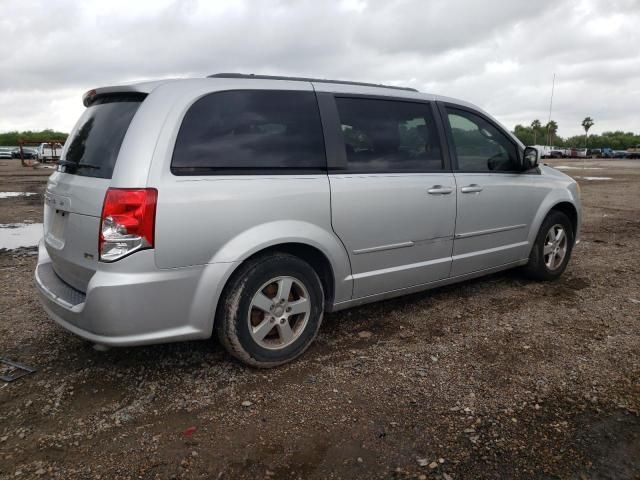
{"x":75,"y":192}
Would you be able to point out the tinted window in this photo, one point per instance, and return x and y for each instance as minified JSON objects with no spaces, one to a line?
{"x":250,"y":129}
{"x":389,"y":136}
{"x":94,"y":147}
{"x":479,"y":145}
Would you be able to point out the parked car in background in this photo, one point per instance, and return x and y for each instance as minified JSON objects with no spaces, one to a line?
{"x":578,"y":153}
{"x":606,"y":153}
{"x":247,"y":206}
{"x":594,"y":153}
{"x":548,"y":151}
{"x":619,"y":154}
{"x":633,"y":152}
{"x":5,"y":152}
{"x":49,"y":151}
{"x":27,"y":153}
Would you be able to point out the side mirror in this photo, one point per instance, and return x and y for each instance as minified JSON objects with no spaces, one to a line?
{"x":530,"y":158}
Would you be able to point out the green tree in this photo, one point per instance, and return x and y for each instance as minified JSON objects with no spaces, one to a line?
{"x":552,"y":130}
{"x":587,"y":123}
{"x":13,"y":138}
{"x":617,"y":140}
{"x":535,"y":126}
{"x":524,"y":134}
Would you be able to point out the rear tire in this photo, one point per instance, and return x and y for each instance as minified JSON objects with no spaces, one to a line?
{"x":552,"y":249}
{"x":271,"y":310}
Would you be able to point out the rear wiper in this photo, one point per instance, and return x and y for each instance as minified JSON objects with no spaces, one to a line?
{"x":89,"y":165}
{"x":68,"y":164}
{"x":74,"y":165}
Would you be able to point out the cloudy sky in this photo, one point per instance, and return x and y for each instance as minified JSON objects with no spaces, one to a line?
{"x":499,"y":54}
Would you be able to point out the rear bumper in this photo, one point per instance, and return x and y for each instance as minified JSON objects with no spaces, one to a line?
{"x":132,"y":302}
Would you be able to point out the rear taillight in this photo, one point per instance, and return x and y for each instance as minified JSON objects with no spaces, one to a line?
{"x":127,"y":223}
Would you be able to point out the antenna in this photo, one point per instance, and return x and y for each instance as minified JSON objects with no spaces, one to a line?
{"x":553,"y":85}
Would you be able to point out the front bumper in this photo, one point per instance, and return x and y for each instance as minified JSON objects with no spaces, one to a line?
{"x":132,"y":302}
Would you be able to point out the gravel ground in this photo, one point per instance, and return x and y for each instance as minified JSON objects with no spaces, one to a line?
{"x":499,"y":377}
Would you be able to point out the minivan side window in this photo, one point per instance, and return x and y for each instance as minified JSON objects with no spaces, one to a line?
{"x":479,"y":146}
{"x":386,"y":136}
{"x":244,"y":131}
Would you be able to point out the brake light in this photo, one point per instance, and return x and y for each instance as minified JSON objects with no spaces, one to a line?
{"x":127,"y":223}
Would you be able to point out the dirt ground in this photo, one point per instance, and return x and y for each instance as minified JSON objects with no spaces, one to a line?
{"x":499,"y":377}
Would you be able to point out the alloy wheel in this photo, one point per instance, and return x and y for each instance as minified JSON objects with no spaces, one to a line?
{"x":555,"y":247}
{"x":279,"y":312}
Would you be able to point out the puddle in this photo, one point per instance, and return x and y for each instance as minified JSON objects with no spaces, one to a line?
{"x":16,"y":194}
{"x":567,"y":167}
{"x":16,"y":235}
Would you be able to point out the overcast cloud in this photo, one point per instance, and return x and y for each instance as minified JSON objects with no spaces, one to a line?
{"x":500,"y":55}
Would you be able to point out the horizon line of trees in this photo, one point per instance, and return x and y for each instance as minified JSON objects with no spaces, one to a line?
{"x":539,"y":134}
{"x":13,"y":138}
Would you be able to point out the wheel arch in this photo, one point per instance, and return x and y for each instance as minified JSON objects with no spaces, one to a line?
{"x":570,"y":211}
{"x":315,"y":257}
{"x":565,"y":201}
{"x":310,"y":242}
{"x":313,"y":243}
{"x":310,"y":254}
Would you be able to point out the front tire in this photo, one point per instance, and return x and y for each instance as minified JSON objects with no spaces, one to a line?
{"x":271,"y":310}
{"x":552,"y":249}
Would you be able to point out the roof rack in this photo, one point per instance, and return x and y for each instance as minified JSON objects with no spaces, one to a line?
{"x":305,"y":79}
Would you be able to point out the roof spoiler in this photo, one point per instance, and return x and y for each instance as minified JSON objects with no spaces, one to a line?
{"x":140,"y":88}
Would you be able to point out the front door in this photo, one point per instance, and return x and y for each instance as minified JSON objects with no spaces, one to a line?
{"x":394,"y":204}
{"x":496,"y":201}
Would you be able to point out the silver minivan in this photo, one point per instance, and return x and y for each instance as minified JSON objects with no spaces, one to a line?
{"x":250,"y":205}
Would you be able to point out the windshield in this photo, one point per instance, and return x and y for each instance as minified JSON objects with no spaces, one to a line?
{"x":94,"y":147}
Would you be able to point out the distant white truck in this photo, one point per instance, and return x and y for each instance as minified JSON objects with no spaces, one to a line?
{"x":549,"y":151}
{"x":578,"y":153}
{"x":49,"y":151}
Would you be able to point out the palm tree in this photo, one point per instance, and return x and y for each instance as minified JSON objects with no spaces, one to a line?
{"x":535,"y":125}
{"x":552,"y":129}
{"x":587,"y":123}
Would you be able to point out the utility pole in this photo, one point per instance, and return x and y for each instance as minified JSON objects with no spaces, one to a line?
{"x":553,"y":85}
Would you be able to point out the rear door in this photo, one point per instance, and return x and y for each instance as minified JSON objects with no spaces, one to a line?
{"x":75,"y":192}
{"x":392,"y":193}
{"x":496,"y":201}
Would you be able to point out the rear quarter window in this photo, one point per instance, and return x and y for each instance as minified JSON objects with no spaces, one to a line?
{"x":94,"y":147}
{"x":250,"y":131}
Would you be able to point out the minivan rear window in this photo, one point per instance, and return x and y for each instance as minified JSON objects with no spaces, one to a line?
{"x":95,"y":145}
{"x":250,"y":131}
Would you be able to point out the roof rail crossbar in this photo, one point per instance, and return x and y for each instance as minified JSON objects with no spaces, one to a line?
{"x":305,"y":79}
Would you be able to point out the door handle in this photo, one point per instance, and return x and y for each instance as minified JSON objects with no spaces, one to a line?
{"x":439,"y":190}
{"x":473,"y":188}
